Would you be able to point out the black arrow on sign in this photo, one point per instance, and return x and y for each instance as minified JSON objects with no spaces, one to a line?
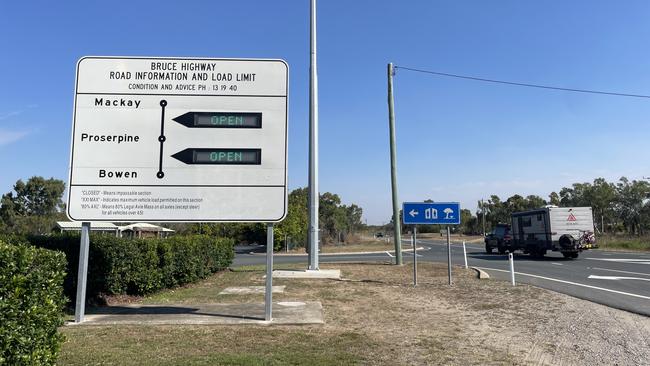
{"x":186,"y":156}
{"x":186,"y":119}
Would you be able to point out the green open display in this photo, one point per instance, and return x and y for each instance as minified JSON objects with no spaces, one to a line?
{"x":220,"y":119}
{"x":220,"y":156}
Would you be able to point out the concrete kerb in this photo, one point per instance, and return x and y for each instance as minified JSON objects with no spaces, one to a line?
{"x":333,"y":274}
{"x":285,"y":313}
{"x":245,"y":290}
{"x":338,"y":253}
{"x":482,"y":275}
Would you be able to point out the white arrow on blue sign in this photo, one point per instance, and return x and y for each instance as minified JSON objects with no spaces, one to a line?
{"x":445,"y":213}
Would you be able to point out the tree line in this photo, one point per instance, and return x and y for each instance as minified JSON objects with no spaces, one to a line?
{"x":618,"y":207}
{"x":34,"y":207}
{"x":336,"y":221}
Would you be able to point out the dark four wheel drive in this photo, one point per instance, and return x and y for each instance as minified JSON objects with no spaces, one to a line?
{"x":500,"y":238}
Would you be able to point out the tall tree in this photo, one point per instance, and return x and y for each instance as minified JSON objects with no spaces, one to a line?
{"x":554,"y":199}
{"x":32,"y":207}
{"x":533,"y":202}
{"x":630,"y":203}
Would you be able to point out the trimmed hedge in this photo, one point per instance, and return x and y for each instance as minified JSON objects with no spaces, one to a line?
{"x":120,"y":266}
{"x":31,"y":304}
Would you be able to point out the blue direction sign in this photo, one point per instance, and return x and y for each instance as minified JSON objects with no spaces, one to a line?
{"x":445,"y":213}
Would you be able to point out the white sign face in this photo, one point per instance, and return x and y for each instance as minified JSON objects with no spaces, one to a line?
{"x":170,"y":139}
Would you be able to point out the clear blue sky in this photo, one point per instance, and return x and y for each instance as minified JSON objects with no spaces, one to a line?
{"x":457,"y":140}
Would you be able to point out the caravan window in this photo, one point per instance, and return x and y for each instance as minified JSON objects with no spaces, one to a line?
{"x":526,"y":222}
{"x":539,"y":217}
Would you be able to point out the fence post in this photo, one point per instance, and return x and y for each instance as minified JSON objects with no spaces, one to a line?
{"x":465,"y":254}
{"x":512,"y":268}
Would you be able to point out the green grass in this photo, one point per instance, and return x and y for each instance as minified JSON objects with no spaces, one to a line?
{"x":207,"y":291}
{"x":636,"y":243}
{"x":374,"y":316}
{"x":217,"y":345}
{"x":210,"y":345}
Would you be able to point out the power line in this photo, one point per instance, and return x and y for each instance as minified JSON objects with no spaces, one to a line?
{"x":523,"y":84}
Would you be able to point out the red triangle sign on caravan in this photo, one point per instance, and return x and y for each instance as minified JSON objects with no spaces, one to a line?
{"x":571,"y":217}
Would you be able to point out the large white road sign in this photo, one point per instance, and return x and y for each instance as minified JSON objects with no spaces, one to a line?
{"x":170,"y":139}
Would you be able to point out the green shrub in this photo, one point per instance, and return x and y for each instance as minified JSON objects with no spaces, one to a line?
{"x":140,"y":266}
{"x":31,"y":304}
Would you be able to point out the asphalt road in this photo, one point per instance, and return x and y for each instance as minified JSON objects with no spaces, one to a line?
{"x":616,"y":279}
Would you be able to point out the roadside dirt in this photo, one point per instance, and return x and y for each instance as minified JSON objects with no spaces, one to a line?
{"x":376,"y":317}
{"x":476,"y":322}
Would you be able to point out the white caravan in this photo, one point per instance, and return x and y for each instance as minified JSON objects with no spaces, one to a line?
{"x":568,"y":230}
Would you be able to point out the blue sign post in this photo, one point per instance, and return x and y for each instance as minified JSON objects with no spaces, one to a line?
{"x":441,"y":213}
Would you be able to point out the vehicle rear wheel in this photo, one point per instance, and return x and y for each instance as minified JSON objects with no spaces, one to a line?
{"x":566,"y":255}
{"x":502,"y":250}
{"x":488,"y":249}
{"x":574,"y":255}
{"x":537,"y":253}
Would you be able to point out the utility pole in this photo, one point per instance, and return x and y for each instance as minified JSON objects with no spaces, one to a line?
{"x":397,"y":235}
{"x":313,"y":145}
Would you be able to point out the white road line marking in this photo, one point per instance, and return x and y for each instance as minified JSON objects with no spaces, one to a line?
{"x":570,"y":283}
{"x":390,"y":255}
{"x":616,"y":270}
{"x":557,"y":264}
{"x":622,"y":260}
{"x":410,"y":253}
{"x":616,"y":278}
{"x":468,"y":245}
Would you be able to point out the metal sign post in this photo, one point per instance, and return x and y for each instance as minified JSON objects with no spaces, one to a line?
{"x":80,"y":305}
{"x":268,"y":294}
{"x":166,"y":139}
{"x":449,"y":255}
{"x":422,"y":213}
{"x":415,"y":256}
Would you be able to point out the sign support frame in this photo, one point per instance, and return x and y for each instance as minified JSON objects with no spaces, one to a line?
{"x":268,"y":293}
{"x":82,"y":273}
{"x":449,"y":255}
{"x":92,"y":81}
{"x":415,"y":256}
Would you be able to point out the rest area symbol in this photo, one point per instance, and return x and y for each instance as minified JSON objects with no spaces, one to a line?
{"x":446,"y":213}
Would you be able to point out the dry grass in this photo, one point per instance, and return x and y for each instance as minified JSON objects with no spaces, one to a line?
{"x":374,"y":316}
{"x":624,"y":242}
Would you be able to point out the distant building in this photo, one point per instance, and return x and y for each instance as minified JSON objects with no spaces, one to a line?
{"x":75,"y":226}
{"x":144,"y":230}
{"x":137,"y":230}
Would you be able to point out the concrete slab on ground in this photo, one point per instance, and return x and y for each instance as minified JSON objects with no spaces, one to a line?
{"x":297,"y":312}
{"x":246,"y":290}
{"x":322,"y":273}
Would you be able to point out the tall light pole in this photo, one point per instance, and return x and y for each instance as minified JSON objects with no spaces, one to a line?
{"x":313,"y":145}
